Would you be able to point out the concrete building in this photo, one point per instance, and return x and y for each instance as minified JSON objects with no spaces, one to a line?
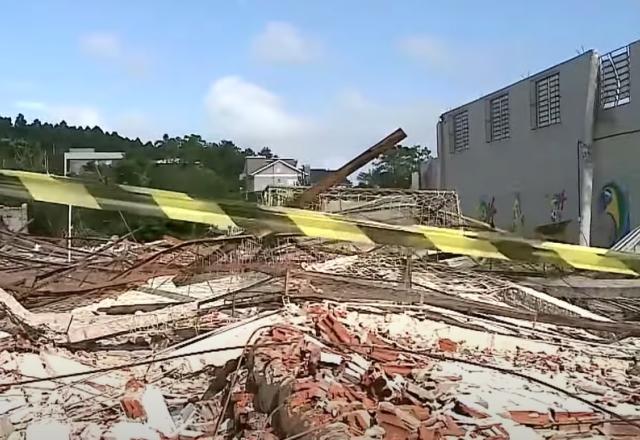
{"x":260,"y":172}
{"x":554,"y":155}
{"x":78,"y":158}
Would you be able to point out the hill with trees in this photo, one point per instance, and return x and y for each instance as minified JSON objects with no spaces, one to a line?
{"x":188,"y":164}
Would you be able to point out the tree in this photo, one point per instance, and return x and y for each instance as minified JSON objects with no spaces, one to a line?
{"x":20,"y":122}
{"x":191,"y":149}
{"x":189,"y":164}
{"x":394,"y":168}
{"x":266,"y":152}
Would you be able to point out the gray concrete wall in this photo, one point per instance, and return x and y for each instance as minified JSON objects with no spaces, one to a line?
{"x":520,"y":178}
{"x":430,"y":173}
{"x":616,"y":156}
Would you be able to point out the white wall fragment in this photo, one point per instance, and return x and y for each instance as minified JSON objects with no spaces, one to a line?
{"x":158,"y":416}
{"x":49,"y":430}
{"x":131,"y":431}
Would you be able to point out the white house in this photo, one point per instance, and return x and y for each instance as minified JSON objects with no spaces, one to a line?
{"x":260,"y":172}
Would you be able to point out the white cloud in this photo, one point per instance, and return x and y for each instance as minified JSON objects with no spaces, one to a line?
{"x":78,"y":115}
{"x":282,"y":43}
{"x":131,"y":124}
{"x":254,"y":117}
{"x":355,"y":122}
{"x":101,"y":45}
{"x":108,"y":47}
{"x":30,"y":105}
{"x":251,"y":114}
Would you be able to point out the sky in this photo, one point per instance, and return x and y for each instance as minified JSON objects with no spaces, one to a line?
{"x":318,"y":81}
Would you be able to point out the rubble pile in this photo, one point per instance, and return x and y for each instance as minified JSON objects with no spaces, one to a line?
{"x":293,"y":338}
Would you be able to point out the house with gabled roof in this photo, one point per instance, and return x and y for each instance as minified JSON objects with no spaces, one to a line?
{"x":260,"y":172}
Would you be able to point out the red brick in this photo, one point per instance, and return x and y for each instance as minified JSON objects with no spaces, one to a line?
{"x":131,"y":404}
{"x":447,"y":345}
{"x":531,"y":418}
{"x":419,"y":412}
{"x":429,"y":433}
{"x":403,"y":369}
{"x":466,"y":410}
{"x":452,"y":428}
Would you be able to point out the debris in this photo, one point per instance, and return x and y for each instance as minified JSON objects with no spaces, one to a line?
{"x":447,"y":345}
{"x":6,"y":427}
{"x":131,"y":431}
{"x":156,"y":411}
{"x":49,"y":429}
{"x":237,"y":338}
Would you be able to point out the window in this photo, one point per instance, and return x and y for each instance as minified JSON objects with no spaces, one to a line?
{"x":548,"y":101}
{"x":499,"y":118}
{"x":615,"y":87}
{"x":461,"y":131}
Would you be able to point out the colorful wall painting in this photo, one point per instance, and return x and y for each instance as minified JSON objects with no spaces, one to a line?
{"x":517,"y":224}
{"x":558,"y":202}
{"x":614,"y":202}
{"x":488,"y":211}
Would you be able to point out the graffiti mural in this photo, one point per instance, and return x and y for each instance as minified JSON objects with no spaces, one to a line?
{"x":488,"y":211}
{"x":517,"y":222}
{"x":614,"y":202}
{"x":558,"y":202}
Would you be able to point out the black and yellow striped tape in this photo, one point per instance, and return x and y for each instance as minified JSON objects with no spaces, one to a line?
{"x":233,"y":214}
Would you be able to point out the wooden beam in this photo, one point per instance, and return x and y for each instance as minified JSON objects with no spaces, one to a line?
{"x":585,"y":288}
{"x":354,"y":164}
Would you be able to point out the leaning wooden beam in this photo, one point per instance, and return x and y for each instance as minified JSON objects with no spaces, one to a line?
{"x":585,"y":288}
{"x":350,"y":167}
{"x":386,"y":292}
{"x":105,"y":327}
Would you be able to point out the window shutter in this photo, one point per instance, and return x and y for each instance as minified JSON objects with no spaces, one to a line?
{"x":461,"y":131}
{"x":450,"y":134}
{"x":499,"y":118}
{"x":615,"y":87}
{"x":533,"y":105}
{"x":547,"y":97}
{"x":487,"y":120}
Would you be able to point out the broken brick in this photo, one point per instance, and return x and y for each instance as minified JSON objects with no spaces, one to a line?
{"x":531,"y":418}
{"x":132,"y":400}
{"x":452,"y":428}
{"x":428,"y":433}
{"x":447,"y":345}
{"x":467,"y":411}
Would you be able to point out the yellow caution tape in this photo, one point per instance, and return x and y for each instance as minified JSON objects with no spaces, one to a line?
{"x":230,"y":214}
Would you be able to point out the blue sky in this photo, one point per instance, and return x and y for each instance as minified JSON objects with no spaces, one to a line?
{"x":319,"y":81}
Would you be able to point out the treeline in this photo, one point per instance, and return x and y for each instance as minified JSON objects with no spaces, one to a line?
{"x":189,"y":164}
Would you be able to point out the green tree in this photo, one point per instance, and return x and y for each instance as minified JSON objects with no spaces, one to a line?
{"x":20,"y":122}
{"x":266,"y":152}
{"x":394,"y":168}
{"x":189,"y":164}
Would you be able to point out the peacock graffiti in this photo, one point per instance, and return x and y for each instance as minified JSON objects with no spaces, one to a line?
{"x":614,"y":201}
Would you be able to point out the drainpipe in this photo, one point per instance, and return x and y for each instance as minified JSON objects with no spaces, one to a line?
{"x":585,"y":160}
{"x":440,"y":164}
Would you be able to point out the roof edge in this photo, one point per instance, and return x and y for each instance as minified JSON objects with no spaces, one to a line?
{"x":589,"y":53}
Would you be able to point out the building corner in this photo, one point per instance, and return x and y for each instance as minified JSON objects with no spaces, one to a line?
{"x":585,"y":160}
